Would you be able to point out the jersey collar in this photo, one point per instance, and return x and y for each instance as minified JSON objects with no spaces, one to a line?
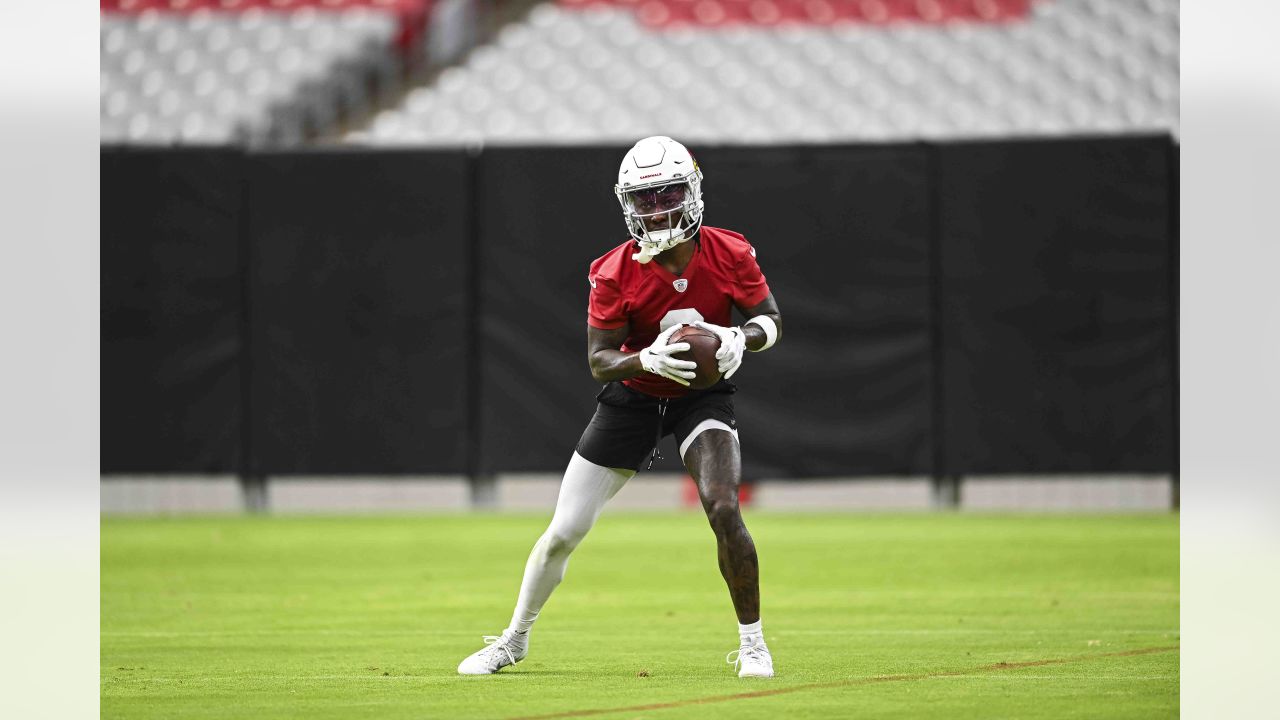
{"x":656,"y":268}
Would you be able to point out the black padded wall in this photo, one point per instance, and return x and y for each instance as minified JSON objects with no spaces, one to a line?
{"x":1056,"y":306}
{"x":966,"y":308}
{"x":842,"y":234}
{"x":171,"y":303}
{"x":546,"y":214}
{"x":359,"y":311}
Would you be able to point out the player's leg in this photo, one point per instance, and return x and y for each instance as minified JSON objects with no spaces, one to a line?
{"x":714,"y":461}
{"x":619,"y":435}
{"x":583,"y":493}
{"x":585,"y":489}
{"x":713,"y":457}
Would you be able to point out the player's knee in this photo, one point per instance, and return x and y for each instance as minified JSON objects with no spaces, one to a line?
{"x":562,"y":541}
{"x":724,"y":514}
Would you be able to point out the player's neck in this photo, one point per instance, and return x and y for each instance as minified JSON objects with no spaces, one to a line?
{"x":675,"y":260}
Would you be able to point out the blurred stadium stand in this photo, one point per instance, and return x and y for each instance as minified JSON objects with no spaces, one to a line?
{"x":260,"y":72}
{"x":249,"y":77}
{"x":280,"y":72}
{"x":777,"y":71}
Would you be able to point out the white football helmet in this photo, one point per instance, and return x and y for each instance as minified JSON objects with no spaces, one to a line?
{"x":659,"y":184}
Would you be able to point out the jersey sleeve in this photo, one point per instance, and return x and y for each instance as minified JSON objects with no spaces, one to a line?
{"x":605,"y":310}
{"x":751,"y":288}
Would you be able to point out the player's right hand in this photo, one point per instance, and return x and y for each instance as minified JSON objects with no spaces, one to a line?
{"x":657,"y":358}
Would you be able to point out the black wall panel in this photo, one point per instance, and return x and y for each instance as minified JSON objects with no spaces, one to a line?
{"x":545,"y":215}
{"x":1056,"y":315}
{"x":359,"y":311}
{"x":842,"y":234}
{"x":170,"y":303}
{"x":969,"y":308}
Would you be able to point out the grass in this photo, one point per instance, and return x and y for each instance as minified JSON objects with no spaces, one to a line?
{"x":870,"y":615}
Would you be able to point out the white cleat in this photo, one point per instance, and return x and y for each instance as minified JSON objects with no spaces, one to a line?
{"x":752,"y":660}
{"x":499,"y":652}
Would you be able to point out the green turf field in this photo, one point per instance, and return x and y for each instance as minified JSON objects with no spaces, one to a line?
{"x":873,"y":616}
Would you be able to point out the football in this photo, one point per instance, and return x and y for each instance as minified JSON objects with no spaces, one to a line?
{"x":703,"y":345}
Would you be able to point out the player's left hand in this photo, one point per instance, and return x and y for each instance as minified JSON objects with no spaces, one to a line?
{"x":733,"y":344}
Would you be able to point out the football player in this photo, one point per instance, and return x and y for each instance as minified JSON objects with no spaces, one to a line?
{"x":672,"y":271}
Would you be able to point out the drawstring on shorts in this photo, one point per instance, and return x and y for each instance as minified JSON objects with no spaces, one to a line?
{"x":656,"y":454}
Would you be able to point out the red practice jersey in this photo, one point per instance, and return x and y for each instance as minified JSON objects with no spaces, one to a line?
{"x":722,"y":273}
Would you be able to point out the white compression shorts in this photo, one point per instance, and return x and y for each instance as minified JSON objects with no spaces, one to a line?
{"x":702,"y":427}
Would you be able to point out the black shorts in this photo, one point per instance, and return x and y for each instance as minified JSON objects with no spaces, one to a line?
{"x":624,"y":429}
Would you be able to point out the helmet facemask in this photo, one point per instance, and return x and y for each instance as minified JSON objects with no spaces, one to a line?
{"x":662,"y":215}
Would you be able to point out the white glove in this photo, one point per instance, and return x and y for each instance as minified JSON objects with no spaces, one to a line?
{"x":733,"y":343}
{"x":657,"y":358}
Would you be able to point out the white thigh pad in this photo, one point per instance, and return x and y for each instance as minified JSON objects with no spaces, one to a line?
{"x":702,"y":427}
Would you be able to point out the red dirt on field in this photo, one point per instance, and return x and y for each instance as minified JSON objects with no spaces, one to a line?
{"x":846,"y":683}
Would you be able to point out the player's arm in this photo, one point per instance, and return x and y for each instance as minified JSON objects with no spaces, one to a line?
{"x":758,"y":332}
{"x":608,"y":362}
{"x":604,"y":355}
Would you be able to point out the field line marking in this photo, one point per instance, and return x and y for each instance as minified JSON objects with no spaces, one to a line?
{"x":583,"y":631}
{"x":981,"y":669}
{"x":972,"y":631}
{"x":1059,"y":678}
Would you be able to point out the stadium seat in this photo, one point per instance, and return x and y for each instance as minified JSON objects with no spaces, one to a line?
{"x":777,"y":71}
{"x":271,"y":71}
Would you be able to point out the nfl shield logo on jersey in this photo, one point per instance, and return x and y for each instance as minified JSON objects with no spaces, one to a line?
{"x":681,"y":285}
